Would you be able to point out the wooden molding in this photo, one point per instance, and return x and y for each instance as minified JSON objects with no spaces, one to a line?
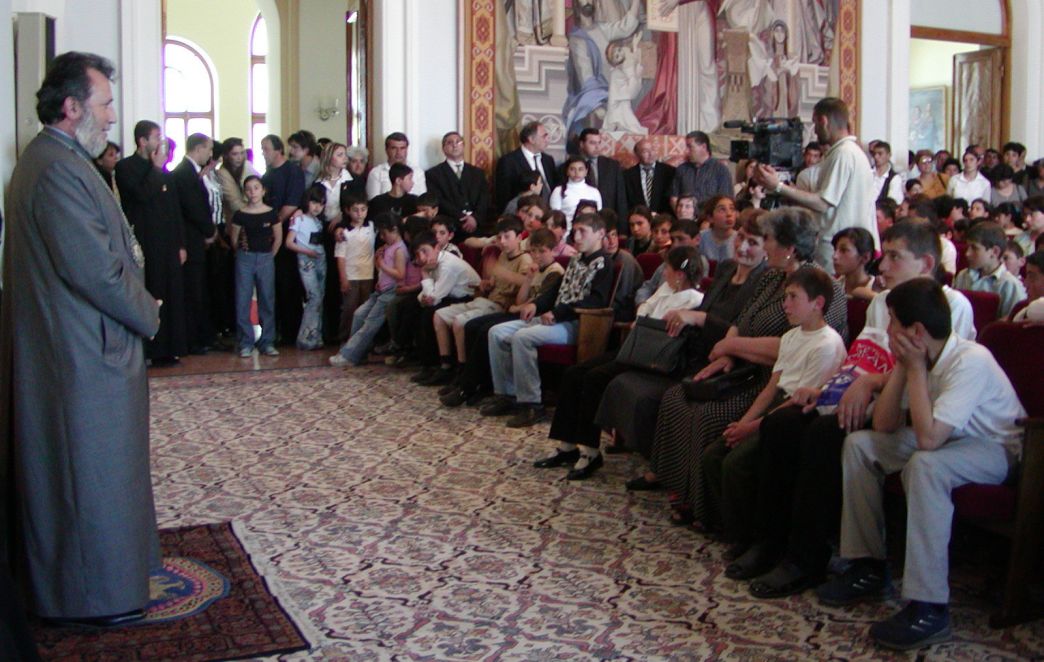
{"x":940,"y":34}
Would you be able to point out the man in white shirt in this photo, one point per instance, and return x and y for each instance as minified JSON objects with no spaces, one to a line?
{"x":397,"y":147}
{"x":844,"y":195}
{"x":887,"y":182}
{"x":970,"y":184}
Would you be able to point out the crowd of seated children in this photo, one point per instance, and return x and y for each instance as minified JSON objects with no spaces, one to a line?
{"x":716,"y":242}
{"x":496,"y":294}
{"x":572,"y":426}
{"x":587,"y":283}
{"x":540,"y":285}
{"x":985,"y":243}
{"x":853,"y":253}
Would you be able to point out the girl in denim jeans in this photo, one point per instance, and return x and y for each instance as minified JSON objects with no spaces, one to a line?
{"x":305,"y":237}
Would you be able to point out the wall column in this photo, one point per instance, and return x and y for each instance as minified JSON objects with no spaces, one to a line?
{"x":884,"y":85}
{"x":1027,"y":101}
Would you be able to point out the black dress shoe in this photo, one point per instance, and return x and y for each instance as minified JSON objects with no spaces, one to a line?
{"x":642,"y":484}
{"x":735,"y":551}
{"x":593,"y":464}
{"x":477,"y":398}
{"x":454,"y":398}
{"x":527,"y":415}
{"x":113,"y":621}
{"x":164,"y":362}
{"x":424,"y":375}
{"x":441,"y":377}
{"x":559,"y":459}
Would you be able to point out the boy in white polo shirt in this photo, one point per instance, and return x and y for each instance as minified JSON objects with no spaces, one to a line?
{"x":945,"y":418}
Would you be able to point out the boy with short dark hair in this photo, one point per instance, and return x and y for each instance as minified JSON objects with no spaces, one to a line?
{"x":444,"y":229}
{"x":451,"y":280}
{"x":640,"y":223}
{"x":986,"y":243}
{"x":945,"y":418}
{"x":428,"y":205}
{"x":587,"y":283}
{"x":497,"y":293}
{"x":398,"y":200}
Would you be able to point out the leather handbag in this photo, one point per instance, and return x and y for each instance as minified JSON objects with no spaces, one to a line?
{"x":649,"y":347}
{"x":721,"y":387}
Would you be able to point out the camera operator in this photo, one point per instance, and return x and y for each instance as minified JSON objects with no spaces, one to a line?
{"x":843,"y":196}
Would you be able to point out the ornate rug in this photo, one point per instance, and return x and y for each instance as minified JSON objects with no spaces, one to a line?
{"x":392,"y":528}
{"x":195,"y":614}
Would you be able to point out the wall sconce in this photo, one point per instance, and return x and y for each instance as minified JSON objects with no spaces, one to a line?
{"x":329,"y":110}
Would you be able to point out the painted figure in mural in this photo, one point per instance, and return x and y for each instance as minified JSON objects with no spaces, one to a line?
{"x":529,"y":20}
{"x":625,"y":82}
{"x":587,"y":65}
{"x":773,"y":75}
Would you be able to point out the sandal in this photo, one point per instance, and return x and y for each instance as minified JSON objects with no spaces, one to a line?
{"x":757,"y":560}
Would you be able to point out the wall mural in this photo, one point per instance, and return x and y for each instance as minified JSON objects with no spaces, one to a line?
{"x":658,"y":68}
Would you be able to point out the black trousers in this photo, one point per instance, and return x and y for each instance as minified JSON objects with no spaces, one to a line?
{"x":424,"y":335}
{"x":289,"y":292}
{"x":402,"y":315}
{"x":476,"y":375}
{"x":197,"y":305}
{"x":221,"y":285}
{"x":579,"y":394}
{"x":800,"y":485}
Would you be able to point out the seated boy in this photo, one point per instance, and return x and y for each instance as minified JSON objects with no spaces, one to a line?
{"x":1034,"y":289}
{"x":542,"y":281}
{"x":588,"y":283}
{"x":985,"y":272}
{"x":496,"y":293}
{"x":808,"y":354}
{"x":444,"y":228}
{"x":640,"y":222}
{"x":945,"y":418}
{"x":428,"y":205}
{"x":390,"y":260}
{"x":398,"y":200}
{"x":450,"y":280}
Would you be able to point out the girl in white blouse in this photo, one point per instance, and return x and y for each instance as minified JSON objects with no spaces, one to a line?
{"x":681,"y":275}
{"x":565,"y":197}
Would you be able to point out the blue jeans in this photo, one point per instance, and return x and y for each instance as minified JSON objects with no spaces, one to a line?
{"x":513,"y":355}
{"x":367,"y":321}
{"x":313,"y":278}
{"x":255,"y":270}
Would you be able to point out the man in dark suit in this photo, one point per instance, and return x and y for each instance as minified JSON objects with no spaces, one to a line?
{"x":649,"y":182}
{"x":529,"y":156}
{"x":605,"y":174}
{"x":461,"y":188}
{"x":199,"y":231}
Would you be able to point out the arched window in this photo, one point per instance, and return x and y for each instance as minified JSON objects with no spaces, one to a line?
{"x":188,"y":93}
{"x":258,"y":89}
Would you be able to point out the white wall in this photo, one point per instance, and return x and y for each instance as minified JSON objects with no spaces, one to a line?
{"x":416,"y":75}
{"x":967,"y":15}
{"x":7,"y":99}
{"x":1027,"y":98}
{"x":931,"y":61}
{"x":884,"y":90}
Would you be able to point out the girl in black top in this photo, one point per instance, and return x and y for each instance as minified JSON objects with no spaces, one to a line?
{"x":256,"y":235}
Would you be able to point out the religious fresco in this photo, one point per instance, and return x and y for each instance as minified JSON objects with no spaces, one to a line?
{"x":655,"y":67}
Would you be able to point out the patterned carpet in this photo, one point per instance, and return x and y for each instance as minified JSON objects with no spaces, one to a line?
{"x":394,"y":529}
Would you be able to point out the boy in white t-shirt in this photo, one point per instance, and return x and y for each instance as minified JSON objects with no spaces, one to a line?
{"x":808,"y":354}
{"x":945,"y":418}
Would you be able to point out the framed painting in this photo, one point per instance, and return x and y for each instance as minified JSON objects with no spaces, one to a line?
{"x":930,"y":118}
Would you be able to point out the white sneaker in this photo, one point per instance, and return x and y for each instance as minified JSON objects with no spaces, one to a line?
{"x":270,"y":351}
{"x":246,"y":352}
{"x":339,"y":361}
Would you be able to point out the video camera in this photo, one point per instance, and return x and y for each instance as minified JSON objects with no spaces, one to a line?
{"x":777,"y":142}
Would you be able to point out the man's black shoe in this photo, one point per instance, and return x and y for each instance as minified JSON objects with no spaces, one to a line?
{"x":559,"y":459}
{"x":593,"y":464}
{"x":454,"y":398}
{"x":501,"y":405}
{"x":424,"y":375}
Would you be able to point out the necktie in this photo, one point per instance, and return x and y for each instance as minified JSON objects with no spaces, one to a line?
{"x":647,"y":175}
{"x":536,"y":166}
{"x":459,"y":167}
{"x":592,"y":172}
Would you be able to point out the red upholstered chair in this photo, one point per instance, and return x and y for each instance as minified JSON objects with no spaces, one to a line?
{"x":649,"y":262}
{"x":947,"y":278}
{"x":856,"y":317}
{"x":984,"y":307}
{"x":1014,"y":510}
{"x":472,"y":256}
{"x":1017,"y":308}
{"x":705,"y":283}
{"x":962,"y":259}
{"x":712,"y":265}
